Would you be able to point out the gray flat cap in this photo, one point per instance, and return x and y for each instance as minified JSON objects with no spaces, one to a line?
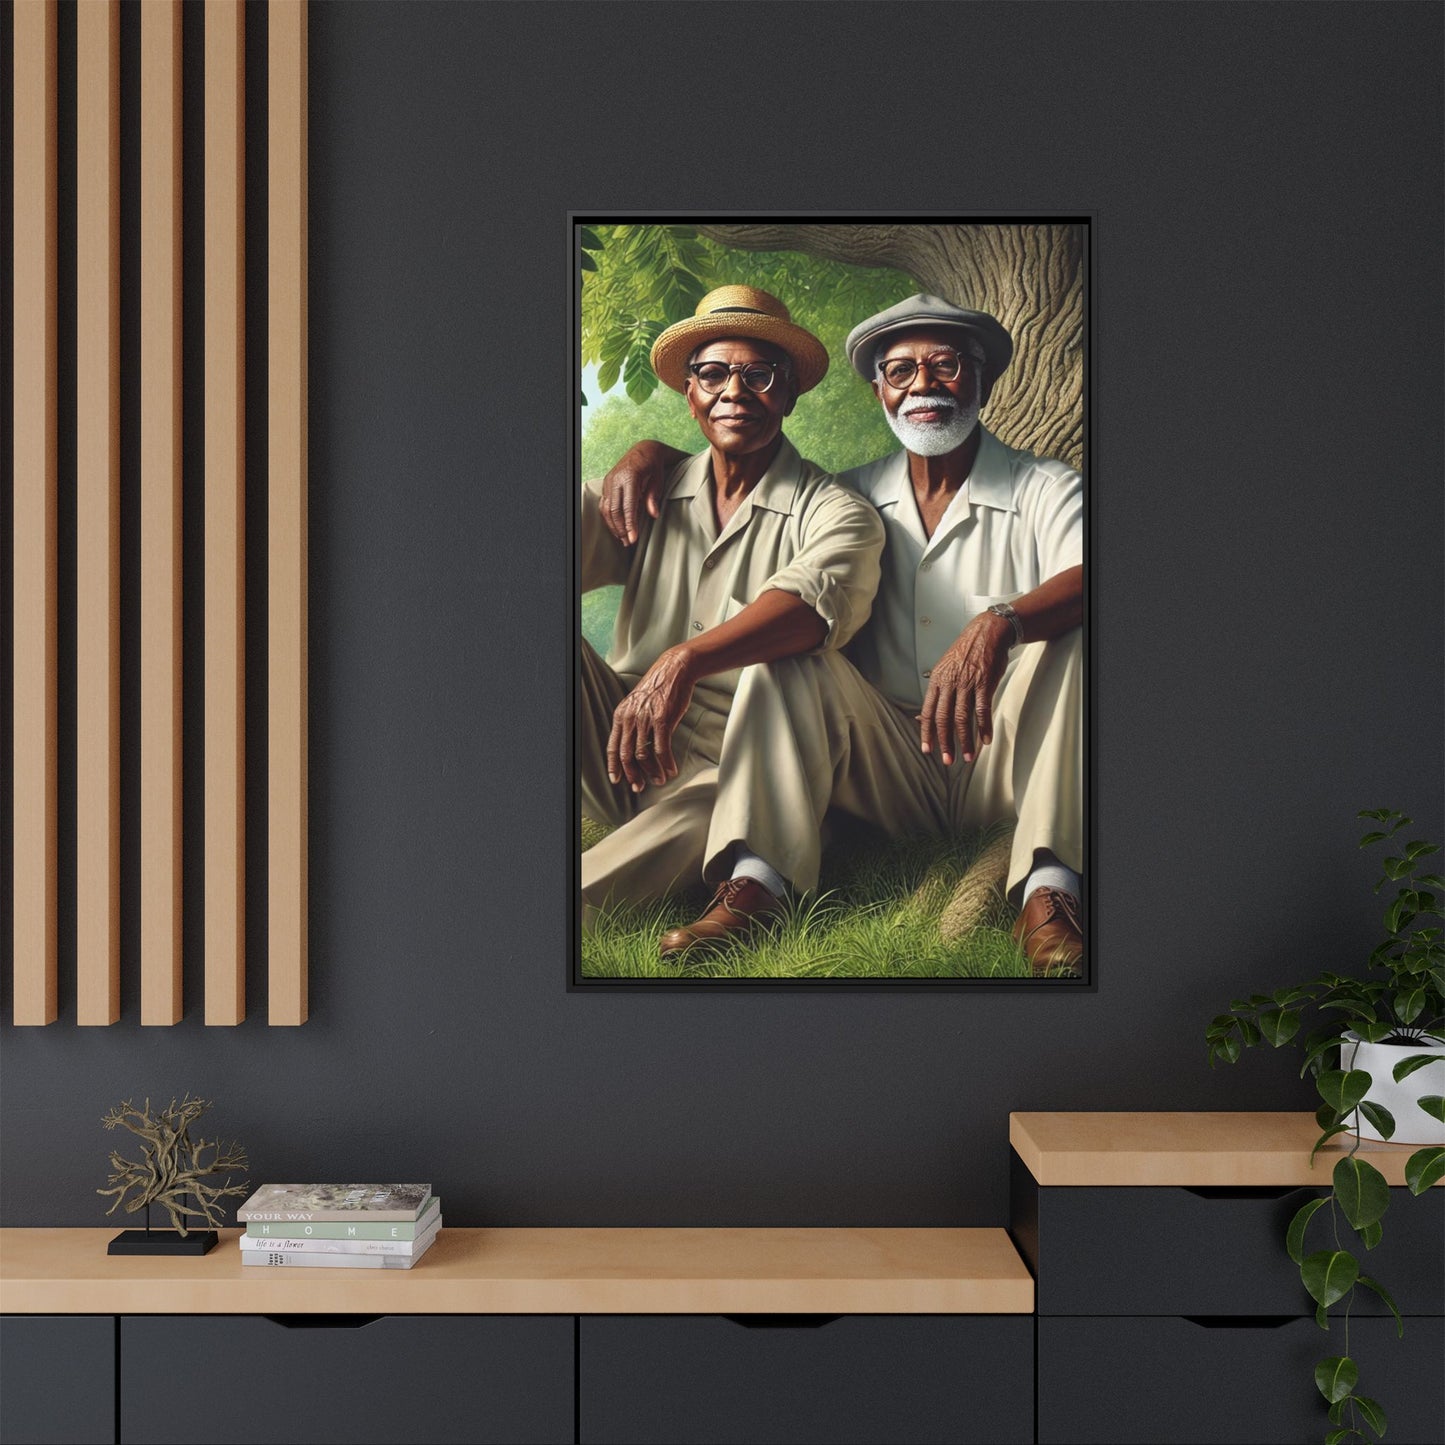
{"x":934,"y":312}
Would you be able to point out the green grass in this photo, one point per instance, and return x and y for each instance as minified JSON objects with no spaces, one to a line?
{"x":875,"y":916}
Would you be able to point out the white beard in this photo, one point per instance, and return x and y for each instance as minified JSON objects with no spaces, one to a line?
{"x":935,"y":439}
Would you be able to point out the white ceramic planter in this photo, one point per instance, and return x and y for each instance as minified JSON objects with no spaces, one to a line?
{"x":1412,"y":1124}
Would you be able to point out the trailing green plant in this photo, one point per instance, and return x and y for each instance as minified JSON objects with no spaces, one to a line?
{"x":1401,"y":1000}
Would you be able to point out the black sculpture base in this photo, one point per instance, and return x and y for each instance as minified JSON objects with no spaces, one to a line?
{"x":163,"y":1241}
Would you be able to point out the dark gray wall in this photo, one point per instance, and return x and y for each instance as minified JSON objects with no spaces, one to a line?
{"x":1267,"y":607}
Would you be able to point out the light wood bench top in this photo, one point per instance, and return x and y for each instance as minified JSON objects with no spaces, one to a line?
{"x":1190,"y":1150}
{"x":542,"y":1271}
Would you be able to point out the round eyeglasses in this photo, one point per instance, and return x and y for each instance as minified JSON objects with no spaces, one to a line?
{"x":757,"y":376}
{"x":942,"y":365}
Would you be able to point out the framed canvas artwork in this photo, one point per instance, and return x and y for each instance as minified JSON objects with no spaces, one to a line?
{"x":830,"y":543}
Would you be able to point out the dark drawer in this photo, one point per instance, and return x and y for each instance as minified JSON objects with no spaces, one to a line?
{"x":309,"y":1378}
{"x":1164,"y":1251}
{"x":1166,"y":1382}
{"x":776,"y":1378}
{"x":57,"y":1379}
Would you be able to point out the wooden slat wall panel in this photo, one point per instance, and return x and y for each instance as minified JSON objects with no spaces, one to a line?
{"x":34,"y":702}
{"x":286,"y":538}
{"x":225,"y":688}
{"x":160,"y":521}
{"x":97,"y":457}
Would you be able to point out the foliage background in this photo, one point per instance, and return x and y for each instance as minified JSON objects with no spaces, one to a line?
{"x":637,"y":279}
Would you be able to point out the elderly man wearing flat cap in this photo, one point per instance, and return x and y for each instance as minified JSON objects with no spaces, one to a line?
{"x":963,"y":702}
{"x":749,"y":555}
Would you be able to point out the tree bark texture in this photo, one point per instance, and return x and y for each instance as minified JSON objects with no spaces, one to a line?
{"x":1031,"y":277}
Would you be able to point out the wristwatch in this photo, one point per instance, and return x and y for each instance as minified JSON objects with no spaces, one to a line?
{"x":1005,"y":610}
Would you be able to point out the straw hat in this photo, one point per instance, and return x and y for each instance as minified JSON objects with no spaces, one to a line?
{"x":738,"y":311}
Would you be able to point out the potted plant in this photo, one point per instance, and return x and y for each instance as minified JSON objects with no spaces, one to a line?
{"x":1378,"y":1061}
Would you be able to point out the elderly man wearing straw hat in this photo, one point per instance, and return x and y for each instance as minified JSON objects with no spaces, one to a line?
{"x":968,"y":684}
{"x":751,"y":555}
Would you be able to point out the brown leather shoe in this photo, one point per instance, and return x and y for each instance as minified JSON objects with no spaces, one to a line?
{"x":736,"y":908}
{"x":1050,"y":931}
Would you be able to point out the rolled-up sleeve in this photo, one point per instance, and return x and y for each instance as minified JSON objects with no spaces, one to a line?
{"x":836,"y":569}
{"x":605,"y":560}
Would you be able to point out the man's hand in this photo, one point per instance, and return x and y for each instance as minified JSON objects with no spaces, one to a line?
{"x":639,"y":747}
{"x":957,"y":716}
{"x":636,"y":481}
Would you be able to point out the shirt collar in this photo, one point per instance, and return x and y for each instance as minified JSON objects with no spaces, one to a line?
{"x":990,"y":483}
{"x":776,"y":491}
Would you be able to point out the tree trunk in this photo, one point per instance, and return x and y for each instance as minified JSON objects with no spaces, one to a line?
{"x":1031,"y":277}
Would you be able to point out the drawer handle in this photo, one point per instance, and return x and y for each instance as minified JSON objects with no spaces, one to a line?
{"x":322,"y":1322}
{"x":782,"y":1322}
{"x":1241,"y":1322}
{"x":1244,"y":1191}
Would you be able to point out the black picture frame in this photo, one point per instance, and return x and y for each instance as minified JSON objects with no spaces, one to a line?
{"x":577,"y":981}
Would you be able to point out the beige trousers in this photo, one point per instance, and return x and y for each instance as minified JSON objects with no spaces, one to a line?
{"x":807,"y":733}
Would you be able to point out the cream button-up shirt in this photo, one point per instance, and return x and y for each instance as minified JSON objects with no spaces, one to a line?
{"x":1015,"y":523}
{"x":797,"y":531}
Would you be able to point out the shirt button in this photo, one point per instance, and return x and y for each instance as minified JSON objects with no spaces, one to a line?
{"x":697,"y":626}
{"x":927,"y":672}
{"x":926,"y":567}
{"x":924,"y":621}
{"x":711,"y":562}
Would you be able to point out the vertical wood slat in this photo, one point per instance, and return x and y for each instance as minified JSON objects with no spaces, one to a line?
{"x":225,"y":774}
{"x":97,"y":458}
{"x":160,"y":512}
{"x":34,"y":615}
{"x":286,"y":527}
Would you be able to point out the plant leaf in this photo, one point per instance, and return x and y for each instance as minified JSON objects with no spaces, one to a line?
{"x":1433,"y":1105}
{"x":1295,"y":1238}
{"x":1423,"y":1168}
{"x":1343,"y":1090}
{"x":1408,"y":1003}
{"x":1380,"y":1117}
{"x":1384,"y":1294}
{"x":1325,"y":1139}
{"x":1329,"y":1275}
{"x":588,"y":264}
{"x":1361,"y":1191}
{"x":1326,"y":1117}
{"x":1336,"y":1377}
{"x":1374,"y":1415}
{"x":1322,"y":1319}
{"x":1372,"y":838}
{"x":1419,"y":848}
{"x":1279,"y":1025}
{"x":1372,"y":1234}
{"x":590,"y":239}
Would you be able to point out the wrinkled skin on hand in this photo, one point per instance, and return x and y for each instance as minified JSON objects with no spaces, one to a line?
{"x":639,"y":747}
{"x":957,"y":716}
{"x":635,"y":482}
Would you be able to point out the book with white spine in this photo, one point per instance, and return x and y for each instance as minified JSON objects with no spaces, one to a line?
{"x":413,"y":1247}
{"x":312,"y":1259}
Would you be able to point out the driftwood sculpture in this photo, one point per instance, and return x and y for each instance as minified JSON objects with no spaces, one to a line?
{"x":172,"y":1166}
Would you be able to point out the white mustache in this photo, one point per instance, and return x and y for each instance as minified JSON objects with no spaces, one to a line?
{"x":926,"y":403}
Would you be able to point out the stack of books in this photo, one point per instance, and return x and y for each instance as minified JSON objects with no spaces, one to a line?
{"x":339,"y":1226}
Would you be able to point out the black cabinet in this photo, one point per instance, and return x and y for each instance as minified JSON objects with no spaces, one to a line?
{"x":1227,"y":1380}
{"x":57,"y":1379}
{"x":1170,"y":1314}
{"x":782,"y":1378}
{"x":312,"y":1379}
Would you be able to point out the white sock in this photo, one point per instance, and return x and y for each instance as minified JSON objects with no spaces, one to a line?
{"x":1053,"y":875}
{"x":749,"y":865}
